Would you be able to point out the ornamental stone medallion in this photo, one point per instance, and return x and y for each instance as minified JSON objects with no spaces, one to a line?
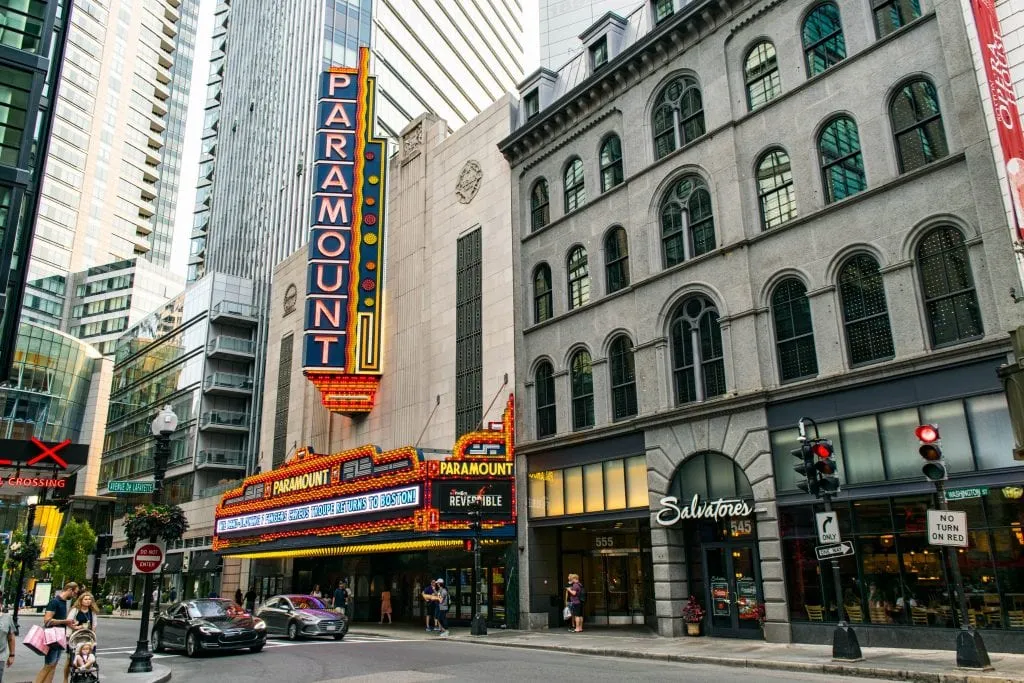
{"x":291,"y":297}
{"x":469,"y":181}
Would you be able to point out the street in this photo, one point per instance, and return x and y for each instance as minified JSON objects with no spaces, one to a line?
{"x":398,"y":659}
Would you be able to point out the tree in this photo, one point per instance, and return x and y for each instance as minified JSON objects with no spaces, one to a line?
{"x":76,"y":541}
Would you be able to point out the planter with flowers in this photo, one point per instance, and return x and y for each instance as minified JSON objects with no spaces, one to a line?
{"x":166,"y":522}
{"x":693,"y":615}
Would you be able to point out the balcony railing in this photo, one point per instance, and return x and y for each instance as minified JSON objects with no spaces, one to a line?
{"x":218,"y":489}
{"x":228,"y":458}
{"x":235,"y":311}
{"x":224,"y":418}
{"x":223,"y":344}
{"x":228,"y":381}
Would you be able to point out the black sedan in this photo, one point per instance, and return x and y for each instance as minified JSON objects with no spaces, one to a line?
{"x":301,"y":615}
{"x":197,"y":626}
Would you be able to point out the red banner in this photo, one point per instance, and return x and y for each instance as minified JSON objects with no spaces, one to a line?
{"x":1004,"y":103}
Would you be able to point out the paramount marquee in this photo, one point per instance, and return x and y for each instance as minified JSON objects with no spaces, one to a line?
{"x":331,"y":504}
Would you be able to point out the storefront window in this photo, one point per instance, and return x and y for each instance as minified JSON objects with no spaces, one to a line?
{"x":956,"y":439}
{"x":990,"y":431}
{"x":593,"y":487}
{"x":636,"y":481}
{"x":614,"y":485}
{"x":536,"y":486}
{"x":573,"y":490}
{"x":864,"y":460}
{"x":597,"y":487}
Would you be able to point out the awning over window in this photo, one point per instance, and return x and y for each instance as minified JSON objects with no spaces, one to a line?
{"x":172,"y":563}
{"x":119,"y":566}
{"x":204,"y":561}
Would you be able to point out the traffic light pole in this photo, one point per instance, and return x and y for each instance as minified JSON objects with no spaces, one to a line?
{"x":479,"y":625}
{"x":845,"y":646}
{"x":970,"y":649}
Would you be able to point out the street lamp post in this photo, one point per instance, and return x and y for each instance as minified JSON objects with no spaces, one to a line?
{"x":162,"y":428}
{"x":478,"y":627}
{"x":33,"y":501}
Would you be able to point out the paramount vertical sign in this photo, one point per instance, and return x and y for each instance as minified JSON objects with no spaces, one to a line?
{"x":341,"y":347}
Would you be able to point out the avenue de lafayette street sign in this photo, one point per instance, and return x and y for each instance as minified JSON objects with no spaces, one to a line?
{"x":827,"y":552}
{"x":130,"y":486}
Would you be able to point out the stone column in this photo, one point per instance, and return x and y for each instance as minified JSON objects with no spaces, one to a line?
{"x":828,"y":345}
{"x":906,"y":317}
{"x":602,"y":391}
{"x":671,"y":587}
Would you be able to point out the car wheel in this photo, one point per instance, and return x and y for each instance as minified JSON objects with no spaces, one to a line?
{"x":256,"y":648}
{"x":158,"y":641}
{"x":293,"y":631}
{"x":339,"y":636}
{"x":192,"y":646}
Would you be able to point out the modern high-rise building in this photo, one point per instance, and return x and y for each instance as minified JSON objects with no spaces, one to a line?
{"x":110,"y":186}
{"x":32,"y":42}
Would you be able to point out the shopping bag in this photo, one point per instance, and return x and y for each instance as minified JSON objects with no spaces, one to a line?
{"x":55,"y":636}
{"x":35,"y":640}
{"x":567,"y":613}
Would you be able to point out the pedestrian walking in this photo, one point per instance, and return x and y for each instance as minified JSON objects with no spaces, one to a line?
{"x":574,"y":597}
{"x":385,"y":606}
{"x":250,"y":598}
{"x":173,"y":596}
{"x":6,"y":641}
{"x":56,"y":615}
{"x":239,"y":600}
{"x":341,"y":598}
{"x":443,"y":603}
{"x":429,"y":604}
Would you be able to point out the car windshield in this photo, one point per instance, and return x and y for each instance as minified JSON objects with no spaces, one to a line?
{"x":306,"y":602}
{"x":206,"y":609}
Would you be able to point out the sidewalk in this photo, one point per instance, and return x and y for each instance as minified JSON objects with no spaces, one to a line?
{"x":929,"y":666}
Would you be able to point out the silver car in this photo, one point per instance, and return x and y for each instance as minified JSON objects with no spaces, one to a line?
{"x":299,"y":616}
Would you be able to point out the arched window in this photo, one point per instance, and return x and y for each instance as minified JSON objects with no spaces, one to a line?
{"x":544,"y":389}
{"x":824,"y":45}
{"x":687,"y":224}
{"x":616,"y":260}
{"x":865,"y":313}
{"x":842,"y":165}
{"x":575,"y":192}
{"x":582,"y":390}
{"x":948,"y":287}
{"x":579,"y":277}
{"x":611,"y":163}
{"x":678,"y":115}
{"x":540,"y":212}
{"x":917,"y":125}
{"x":542,"y":299}
{"x":698,"y":368}
{"x":623,"y":371}
{"x":892,"y":14}
{"x":775,"y":189}
{"x":794,"y":332}
{"x":761,"y":73}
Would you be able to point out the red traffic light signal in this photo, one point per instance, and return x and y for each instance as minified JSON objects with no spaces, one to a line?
{"x":469,"y":545}
{"x":927,"y":433}
{"x":823,"y":449}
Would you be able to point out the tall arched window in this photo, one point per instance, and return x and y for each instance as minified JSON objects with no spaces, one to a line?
{"x":575,"y":192}
{"x":544,"y":389}
{"x":540,"y":212}
{"x":761,"y":73}
{"x":542,"y":298}
{"x":794,"y":332}
{"x":616,"y":260}
{"x":678,"y":115}
{"x":582,"y":390}
{"x":775,"y":189}
{"x":917,"y":125}
{"x":698,"y":367}
{"x":611,"y":163}
{"x":842,"y":165}
{"x":687,"y":224}
{"x":824,"y":45}
{"x":892,"y":14}
{"x":623,"y":372}
{"x":948,"y":287}
{"x":865,"y":313}
{"x":579,"y":277}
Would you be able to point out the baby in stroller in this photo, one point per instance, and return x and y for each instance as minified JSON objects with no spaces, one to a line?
{"x":82,"y":644}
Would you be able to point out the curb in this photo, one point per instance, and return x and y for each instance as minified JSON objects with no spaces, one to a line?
{"x":832,"y":668}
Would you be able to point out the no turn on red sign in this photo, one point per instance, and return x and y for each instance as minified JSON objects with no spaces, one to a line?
{"x":149,"y":556}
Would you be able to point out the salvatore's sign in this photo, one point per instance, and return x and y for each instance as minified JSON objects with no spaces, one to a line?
{"x":671,"y":511}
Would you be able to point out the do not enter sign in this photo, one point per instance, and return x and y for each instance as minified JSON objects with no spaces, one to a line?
{"x":148,"y":557}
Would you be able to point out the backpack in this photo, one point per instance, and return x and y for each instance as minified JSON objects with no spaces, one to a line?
{"x":582,"y":594}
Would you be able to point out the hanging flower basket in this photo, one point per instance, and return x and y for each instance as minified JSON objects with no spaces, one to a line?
{"x":165,"y":522}
{"x":27,"y":551}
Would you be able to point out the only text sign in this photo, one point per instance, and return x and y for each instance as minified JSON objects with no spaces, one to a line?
{"x":947,"y":527}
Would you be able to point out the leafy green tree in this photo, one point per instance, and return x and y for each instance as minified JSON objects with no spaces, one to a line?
{"x":76,"y":541}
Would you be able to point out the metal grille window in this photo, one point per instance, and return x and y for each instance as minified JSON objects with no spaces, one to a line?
{"x":542,"y":304}
{"x":284,"y":383}
{"x":611,"y":163}
{"x":575,"y":192}
{"x":698,"y":365}
{"x":579,"y":278}
{"x":15,"y":87}
{"x":794,"y":332}
{"x":761,"y":73}
{"x":948,"y":287}
{"x":865,"y":313}
{"x":775,"y":189}
{"x":582,"y":390}
{"x":678,"y":116}
{"x":824,"y":45}
{"x":892,"y":14}
{"x":22,"y":22}
{"x":917,"y":125}
{"x":687,"y":223}
{"x":842,"y":165}
{"x":544,"y":389}
{"x":623,"y":371}
{"x":616,"y":260}
{"x":540,"y":212}
{"x":469,"y":358}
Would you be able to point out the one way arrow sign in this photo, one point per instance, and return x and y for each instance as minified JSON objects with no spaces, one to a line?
{"x":826,"y":552}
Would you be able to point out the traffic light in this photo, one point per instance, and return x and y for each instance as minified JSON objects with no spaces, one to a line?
{"x":103,"y":543}
{"x":934,"y":468}
{"x":825,"y":464}
{"x":805,"y":468}
{"x":474,"y":518}
{"x":469,"y":545}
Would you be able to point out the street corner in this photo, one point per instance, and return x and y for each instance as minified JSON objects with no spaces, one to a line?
{"x":159,"y":674}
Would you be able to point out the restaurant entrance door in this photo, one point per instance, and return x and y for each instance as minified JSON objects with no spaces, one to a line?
{"x":732,"y":589}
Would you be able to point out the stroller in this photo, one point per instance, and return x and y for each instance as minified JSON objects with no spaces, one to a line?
{"x":76,"y":641}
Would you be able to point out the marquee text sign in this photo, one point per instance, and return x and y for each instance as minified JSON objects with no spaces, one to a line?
{"x":671,"y":511}
{"x":342,"y":346}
